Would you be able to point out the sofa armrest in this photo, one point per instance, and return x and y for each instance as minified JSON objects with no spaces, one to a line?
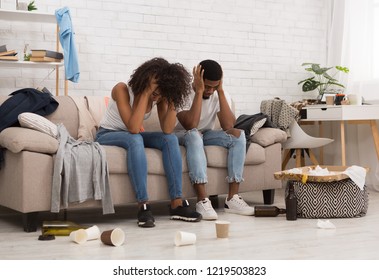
{"x":17,"y":139}
{"x":267,"y":136}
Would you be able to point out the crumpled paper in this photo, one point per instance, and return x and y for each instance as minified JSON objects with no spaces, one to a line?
{"x":357,"y":174}
{"x":325,"y":224}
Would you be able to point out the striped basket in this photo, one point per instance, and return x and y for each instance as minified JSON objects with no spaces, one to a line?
{"x":336,"y":199}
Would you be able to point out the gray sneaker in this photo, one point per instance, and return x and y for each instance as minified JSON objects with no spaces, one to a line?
{"x":237,"y":205}
{"x":204,"y":207}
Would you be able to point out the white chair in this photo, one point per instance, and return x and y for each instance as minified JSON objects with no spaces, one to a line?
{"x":301,"y":143}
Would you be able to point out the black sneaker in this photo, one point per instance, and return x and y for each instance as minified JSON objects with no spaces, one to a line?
{"x":145,"y":217}
{"x":184,"y":213}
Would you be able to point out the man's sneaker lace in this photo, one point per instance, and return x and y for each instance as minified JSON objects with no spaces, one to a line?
{"x":145,"y":217}
{"x":204,"y":207}
{"x":237,"y":205}
{"x":184,"y":213}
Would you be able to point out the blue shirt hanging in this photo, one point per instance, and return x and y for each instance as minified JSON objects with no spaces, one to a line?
{"x":66,"y":36}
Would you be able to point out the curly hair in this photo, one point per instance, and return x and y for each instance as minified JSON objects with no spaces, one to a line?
{"x":174,"y":81}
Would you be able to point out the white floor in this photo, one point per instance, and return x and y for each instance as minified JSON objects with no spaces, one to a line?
{"x":250,"y":238}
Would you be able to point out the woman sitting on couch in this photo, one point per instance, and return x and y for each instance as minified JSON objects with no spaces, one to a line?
{"x":166,"y":85}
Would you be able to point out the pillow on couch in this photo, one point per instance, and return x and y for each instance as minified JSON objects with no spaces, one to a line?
{"x":267,"y":136}
{"x":17,"y":139}
{"x":37,"y":122}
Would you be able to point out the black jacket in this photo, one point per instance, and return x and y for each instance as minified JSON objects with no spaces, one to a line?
{"x":26,"y":100}
{"x":246,"y":123}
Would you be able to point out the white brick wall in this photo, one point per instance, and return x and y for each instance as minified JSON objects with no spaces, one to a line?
{"x":260,"y":43}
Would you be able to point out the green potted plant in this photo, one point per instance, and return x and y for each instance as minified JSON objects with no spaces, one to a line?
{"x":321,"y":79}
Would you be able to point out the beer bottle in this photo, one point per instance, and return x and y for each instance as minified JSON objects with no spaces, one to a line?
{"x":268,"y":211}
{"x":291,"y":202}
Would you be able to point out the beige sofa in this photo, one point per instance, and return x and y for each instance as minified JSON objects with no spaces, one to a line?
{"x":26,"y":176}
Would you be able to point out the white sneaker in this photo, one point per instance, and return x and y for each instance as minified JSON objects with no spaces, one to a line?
{"x":204,"y":207}
{"x":237,"y":205}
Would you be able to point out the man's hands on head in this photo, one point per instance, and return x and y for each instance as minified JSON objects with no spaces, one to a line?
{"x":198,"y":80}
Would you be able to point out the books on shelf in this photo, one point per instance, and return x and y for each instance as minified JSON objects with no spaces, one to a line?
{"x":44,"y":59}
{"x":8,"y":55}
{"x":47,"y":53}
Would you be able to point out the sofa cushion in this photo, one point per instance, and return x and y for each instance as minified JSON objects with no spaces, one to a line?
{"x":267,"y":136}
{"x":17,"y":139}
{"x":37,"y":122}
{"x":217,"y":156}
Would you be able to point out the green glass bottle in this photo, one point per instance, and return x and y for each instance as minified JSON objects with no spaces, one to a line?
{"x":60,"y":228}
{"x":268,"y":211}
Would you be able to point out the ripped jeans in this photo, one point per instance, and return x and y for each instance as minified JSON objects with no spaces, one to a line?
{"x":194,"y":142}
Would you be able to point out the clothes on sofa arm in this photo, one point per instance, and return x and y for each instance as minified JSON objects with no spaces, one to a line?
{"x":80,"y":173}
{"x":251,"y":124}
{"x":280,"y":113}
{"x":25,"y":100}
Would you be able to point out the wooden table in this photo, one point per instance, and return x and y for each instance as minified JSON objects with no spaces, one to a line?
{"x":350,"y":114}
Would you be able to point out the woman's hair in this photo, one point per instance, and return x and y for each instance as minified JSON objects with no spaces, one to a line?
{"x":174,"y":81}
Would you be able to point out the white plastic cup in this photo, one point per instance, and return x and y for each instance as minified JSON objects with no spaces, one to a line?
{"x":79,"y":236}
{"x":222,"y":229}
{"x":93,"y":233}
{"x":183,"y":238}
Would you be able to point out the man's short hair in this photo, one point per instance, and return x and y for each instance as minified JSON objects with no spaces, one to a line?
{"x":212,"y":70}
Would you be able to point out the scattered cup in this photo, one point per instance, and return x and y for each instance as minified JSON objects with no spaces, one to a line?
{"x":93,"y":233}
{"x":79,"y":236}
{"x":114,"y":237}
{"x":183,"y":238}
{"x":222,"y":229}
{"x":329,"y":99}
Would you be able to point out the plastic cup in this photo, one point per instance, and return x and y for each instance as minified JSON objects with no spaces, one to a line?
{"x":183,"y":238}
{"x":114,"y":237}
{"x":222,"y":229}
{"x":93,"y":233}
{"x":79,"y":236}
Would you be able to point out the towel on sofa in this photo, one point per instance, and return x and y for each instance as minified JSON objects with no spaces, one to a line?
{"x":80,"y":173}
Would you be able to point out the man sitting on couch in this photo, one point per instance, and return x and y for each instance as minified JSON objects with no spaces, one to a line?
{"x":196,"y":130}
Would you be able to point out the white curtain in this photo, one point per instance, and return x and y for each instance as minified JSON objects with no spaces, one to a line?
{"x":351,"y":43}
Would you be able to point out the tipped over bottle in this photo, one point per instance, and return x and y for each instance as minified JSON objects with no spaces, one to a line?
{"x":60,"y":228}
{"x":268,"y":211}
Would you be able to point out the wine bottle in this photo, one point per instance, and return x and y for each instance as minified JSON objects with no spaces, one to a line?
{"x":268,"y":211}
{"x":60,"y":228}
{"x":291,"y":202}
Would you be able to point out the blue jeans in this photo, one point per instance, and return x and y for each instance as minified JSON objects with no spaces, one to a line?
{"x":194,"y":141}
{"x":136,"y":158}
